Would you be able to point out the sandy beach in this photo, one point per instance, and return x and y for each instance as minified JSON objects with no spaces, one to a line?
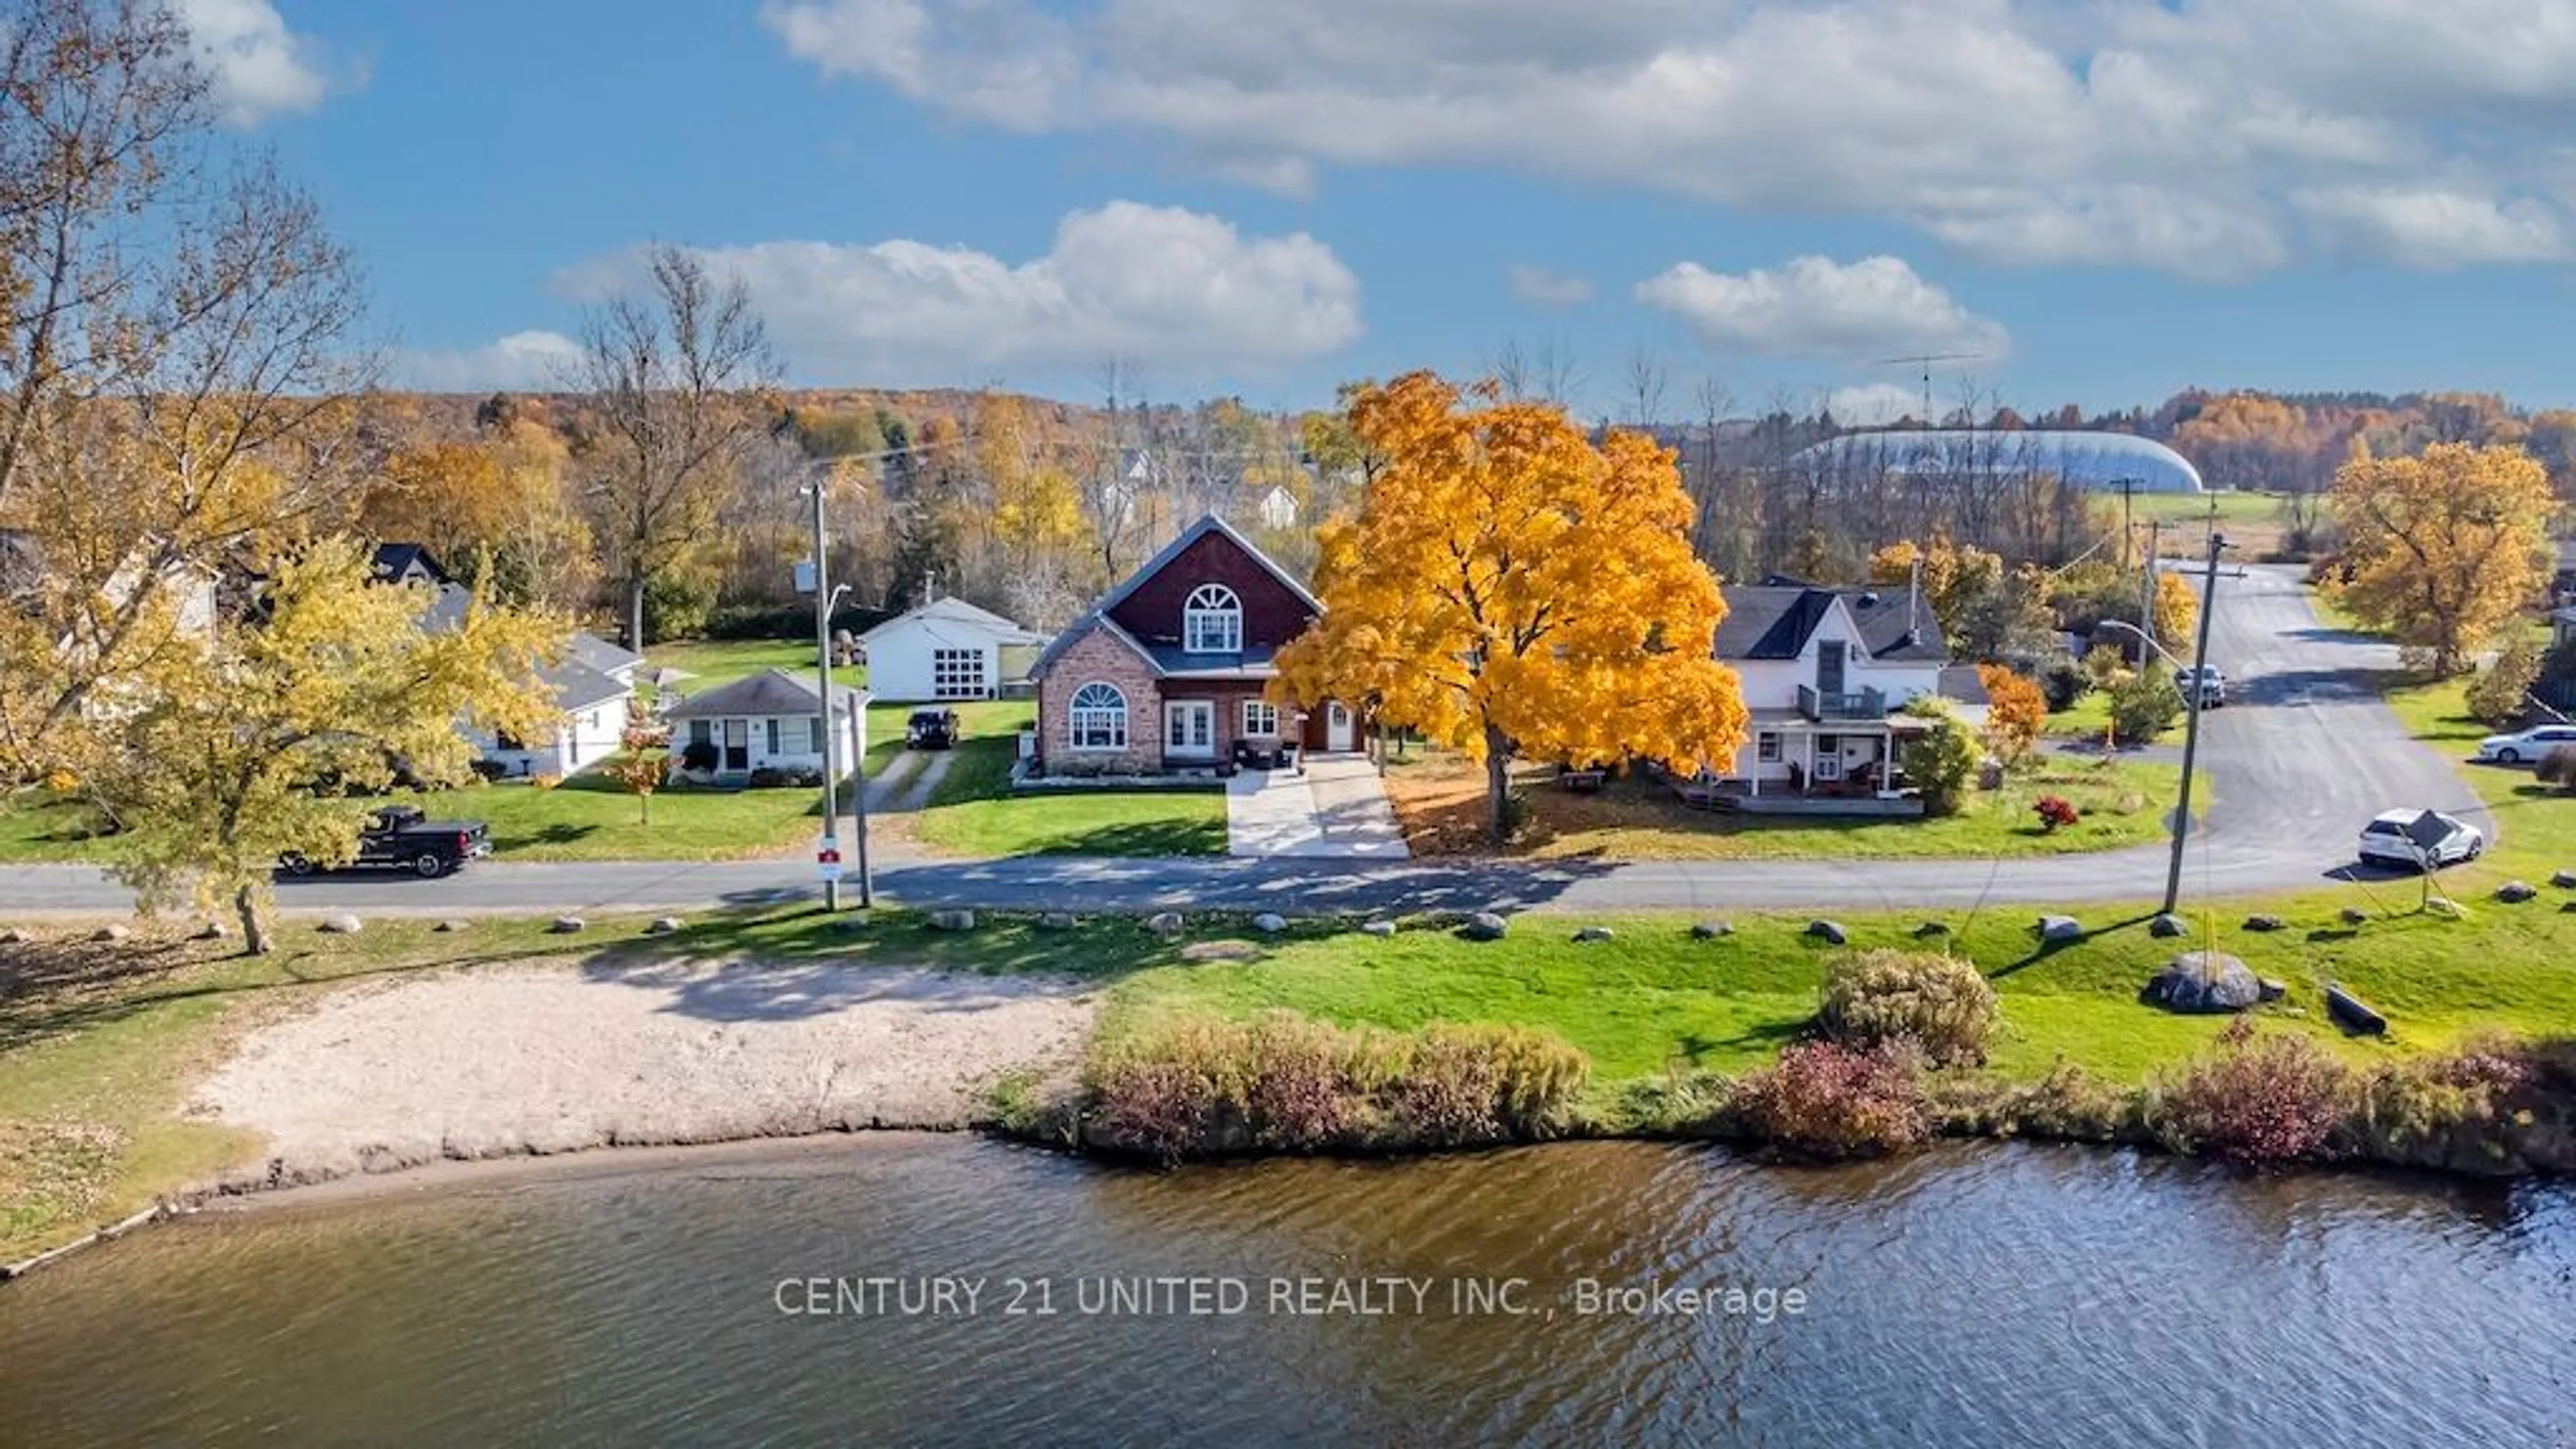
{"x":512,"y":1060}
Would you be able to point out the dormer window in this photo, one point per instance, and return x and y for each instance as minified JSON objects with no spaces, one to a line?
{"x":1212,"y":621}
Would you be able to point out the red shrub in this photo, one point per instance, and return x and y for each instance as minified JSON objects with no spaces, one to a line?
{"x":1825,"y":1100}
{"x":2055,"y":811}
{"x":2257,"y":1100}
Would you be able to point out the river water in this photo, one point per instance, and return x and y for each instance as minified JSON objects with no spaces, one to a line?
{"x":1974,"y":1295}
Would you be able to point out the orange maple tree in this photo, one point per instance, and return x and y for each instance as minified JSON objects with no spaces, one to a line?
{"x":1511,"y":588}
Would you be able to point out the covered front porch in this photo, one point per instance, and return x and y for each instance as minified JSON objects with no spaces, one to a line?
{"x":1797,"y":764}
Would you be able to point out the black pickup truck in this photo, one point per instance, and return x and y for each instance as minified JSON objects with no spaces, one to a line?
{"x":400,"y":836}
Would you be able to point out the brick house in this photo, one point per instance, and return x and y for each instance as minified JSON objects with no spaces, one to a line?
{"x":1166,"y":672}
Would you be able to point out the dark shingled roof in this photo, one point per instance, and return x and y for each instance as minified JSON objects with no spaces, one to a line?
{"x":393,"y":558}
{"x":1775,"y":622}
{"x":773,"y":691}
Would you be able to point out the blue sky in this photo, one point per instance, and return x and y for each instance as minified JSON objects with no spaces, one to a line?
{"x":2107,"y":201}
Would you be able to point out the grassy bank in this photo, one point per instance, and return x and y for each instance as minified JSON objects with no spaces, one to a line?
{"x":101,"y":1043}
{"x":1439,"y":799}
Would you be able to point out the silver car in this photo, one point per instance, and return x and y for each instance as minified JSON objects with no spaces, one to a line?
{"x":2523,"y":748}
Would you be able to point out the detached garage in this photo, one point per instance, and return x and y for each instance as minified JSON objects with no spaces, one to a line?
{"x":949,"y":649}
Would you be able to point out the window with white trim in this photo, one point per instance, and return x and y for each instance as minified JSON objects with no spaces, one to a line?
{"x":957,"y":673}
{"x":1260,"y":717}
{"x":772,"y":731}
{"x":1766,"y":747}
{"x":1097,"y":719}
{"x":814,"y":734}
{"x":1212,"y":621}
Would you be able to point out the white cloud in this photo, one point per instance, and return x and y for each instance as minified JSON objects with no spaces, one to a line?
{"x":258,"y":66}
{"x":1817,"y":307}
{"x":2024,"y":131}
{"x":2433,"y":228}
{"x":1876,"y":404}
{"x":1165,"y":287}
{"x":1549,"y":288}
{"x":521,"y":362}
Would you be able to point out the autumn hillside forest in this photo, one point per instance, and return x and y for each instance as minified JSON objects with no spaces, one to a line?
{"x":1031,"y":506}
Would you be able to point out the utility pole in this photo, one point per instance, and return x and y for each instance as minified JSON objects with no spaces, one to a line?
{"x":828,"y":857}
{"x":2191,"y":728}
{"x":2128,"y":528}
{"x":2147,"y":594}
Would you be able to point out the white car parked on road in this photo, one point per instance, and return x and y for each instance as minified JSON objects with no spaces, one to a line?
{"x":2525,"y":747}
{"x":2420,"y":840}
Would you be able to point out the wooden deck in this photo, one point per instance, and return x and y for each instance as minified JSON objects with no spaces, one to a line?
{"x":1732,"y":796}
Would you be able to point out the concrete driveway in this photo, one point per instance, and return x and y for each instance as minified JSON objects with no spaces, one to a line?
{"x":2300,"y":765}
{"x":1335,"y":809}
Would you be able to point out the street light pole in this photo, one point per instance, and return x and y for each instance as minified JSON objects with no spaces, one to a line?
{"x":2191,"y":728}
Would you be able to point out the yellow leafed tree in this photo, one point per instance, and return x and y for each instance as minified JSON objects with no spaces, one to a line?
{"x":230,"y":755}
{"x":2442,"y":549}
{"x":2177,"y":612}
{"x":1511,"y":589}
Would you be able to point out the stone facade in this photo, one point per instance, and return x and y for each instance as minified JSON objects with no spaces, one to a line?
{"x":1099,"y":656}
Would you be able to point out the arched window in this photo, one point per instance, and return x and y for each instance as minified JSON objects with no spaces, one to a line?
{"x":1212,"y":621}
{"x":1098,"y":718}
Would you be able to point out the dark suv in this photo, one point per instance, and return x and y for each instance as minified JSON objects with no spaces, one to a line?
{"x":931,"y":729}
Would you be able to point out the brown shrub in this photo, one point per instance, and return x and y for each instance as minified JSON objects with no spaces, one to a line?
{"x":1941,"y":1004}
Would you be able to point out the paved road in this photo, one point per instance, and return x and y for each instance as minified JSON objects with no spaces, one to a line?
{"x":2298,"y":765}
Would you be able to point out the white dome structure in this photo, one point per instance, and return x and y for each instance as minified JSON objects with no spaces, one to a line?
{"x":2095,"y":462}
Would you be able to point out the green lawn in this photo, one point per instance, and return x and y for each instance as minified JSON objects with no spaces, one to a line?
{"x":972,"y":812}
{"x":2087,"y":718}
{"x":99,"y":1045}
{"x":587,"y":817}
{"x":1440,"y":801}
{"x":2535,"y":824}
{"x":722,"y":661}
{"x":1071,"y":822}
{"x":2233,"y":506}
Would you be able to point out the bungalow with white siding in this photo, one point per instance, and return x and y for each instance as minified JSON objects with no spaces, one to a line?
{"x":769,"y":721}
{"x":949,"y":649}
{"x":591,"y":685}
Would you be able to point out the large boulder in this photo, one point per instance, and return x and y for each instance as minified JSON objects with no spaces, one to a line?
{"x":342,"y":924}
{"x":1270,"y":923}
{"x":663,"y":926}
{"x":1058,"y":921}
{"x":15,"y":936}
{"x":1165,"y":923}
{"x":952,"y":920}
{"x":212,"y":931}
{"x":567,"y":926}
{"x":1484,"y":926}
{"x":1221,"y":951}
{"x":2353,"y":915}
{"x":1930,"y":930}
{"x":1711,"y":930}
{"x":1829,"y":932}
{"x":445,"y":927}
{"x":1379,"y":929}
{"x":2265,"y":923}
{"x":2515,"y":892}
{"x":2204,"y":981}
{"x":110,"y":933}
{"x":1594,"y":933}
{"x":2060,"y":928}
{"x":2565,"y":880}
{"x":2166,"y":926}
